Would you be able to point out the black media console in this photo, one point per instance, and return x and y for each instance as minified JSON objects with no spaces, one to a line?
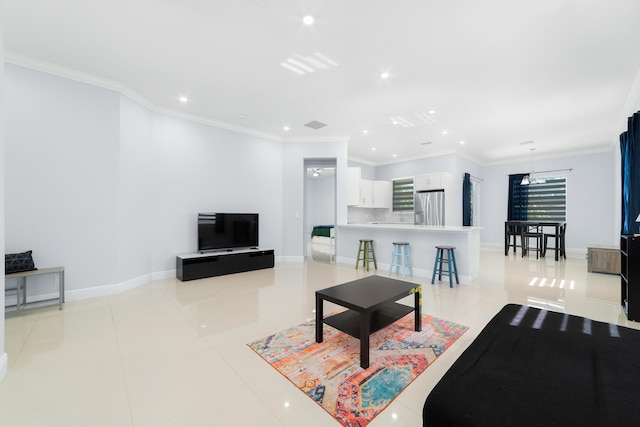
{"x":199,"y":266}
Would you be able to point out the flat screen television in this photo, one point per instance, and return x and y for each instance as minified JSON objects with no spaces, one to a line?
{"x":220,"y":231}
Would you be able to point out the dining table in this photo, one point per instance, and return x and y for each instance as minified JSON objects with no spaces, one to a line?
{"x":514,"y":224}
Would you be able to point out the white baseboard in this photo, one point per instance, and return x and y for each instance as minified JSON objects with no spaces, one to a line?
{"x":290,"y":259}
{"x":3,"y":366}
{"x":106,"y":290}
{"x":100,"y":291}
{"x":159,"y":275}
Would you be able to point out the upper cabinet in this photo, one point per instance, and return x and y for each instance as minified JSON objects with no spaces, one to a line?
{"x":367,"y":194}
{"x":432,"y":181}
{"x":382,"y":194}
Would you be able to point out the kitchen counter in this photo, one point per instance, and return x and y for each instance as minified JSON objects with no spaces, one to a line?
{"x":423,"y":240}
{"x":413,"y":227}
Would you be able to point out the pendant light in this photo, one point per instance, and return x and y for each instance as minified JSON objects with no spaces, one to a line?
{"x":530,"y":179}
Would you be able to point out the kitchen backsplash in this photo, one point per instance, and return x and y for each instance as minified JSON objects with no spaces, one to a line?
{"x":367,"y":215}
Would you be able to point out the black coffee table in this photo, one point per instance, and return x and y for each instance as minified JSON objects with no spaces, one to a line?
{"x":371,"y":304}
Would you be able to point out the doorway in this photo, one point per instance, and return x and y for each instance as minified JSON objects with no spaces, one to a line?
{"x":320,"y":210}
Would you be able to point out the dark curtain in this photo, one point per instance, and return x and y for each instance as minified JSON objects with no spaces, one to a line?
{"x":466,"y":200}
{"x":518,"y":198}
{"x":630,"y":171}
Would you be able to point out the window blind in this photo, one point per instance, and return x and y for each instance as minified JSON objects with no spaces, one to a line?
{"x":547,"y":201}
{"x":403,"y":194}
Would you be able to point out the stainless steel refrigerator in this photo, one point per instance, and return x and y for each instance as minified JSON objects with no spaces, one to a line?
{"x":429,"y":207}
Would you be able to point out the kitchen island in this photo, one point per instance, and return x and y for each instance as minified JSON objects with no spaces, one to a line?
{"x":423,"y":240}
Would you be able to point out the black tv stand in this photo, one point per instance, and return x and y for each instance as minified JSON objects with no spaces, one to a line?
{"x":201,"y":265}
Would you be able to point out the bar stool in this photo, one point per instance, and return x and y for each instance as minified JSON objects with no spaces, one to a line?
{"x":365,"y":248}
{"x":451,"y":264}
{"x":401,"y":256}
{"x":532,"y":232}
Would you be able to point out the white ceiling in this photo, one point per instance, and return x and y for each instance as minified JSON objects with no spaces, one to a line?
{"x":496,"y":72}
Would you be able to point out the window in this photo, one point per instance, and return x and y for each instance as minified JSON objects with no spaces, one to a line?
{"x":403,"y":194}
{"x":547,"y":199}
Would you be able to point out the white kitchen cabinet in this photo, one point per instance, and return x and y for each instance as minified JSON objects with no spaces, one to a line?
{"x":382,"y":194}
{"x":365,"y":193}
{"x":432,"y":181}
{"x":375,"y":194}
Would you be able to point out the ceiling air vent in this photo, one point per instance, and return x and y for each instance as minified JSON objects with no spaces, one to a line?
{"x":315,"y":124}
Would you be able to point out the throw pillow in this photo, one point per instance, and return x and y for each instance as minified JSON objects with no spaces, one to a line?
{"x":15,"y":263}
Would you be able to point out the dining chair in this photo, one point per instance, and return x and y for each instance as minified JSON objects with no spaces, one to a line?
{"x":532,"y":232}
{"x":559,"y":244}
{"x":514,"y":231}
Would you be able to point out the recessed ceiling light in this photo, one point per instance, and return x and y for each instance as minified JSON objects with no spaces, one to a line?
{"x":395,"y":155}
{"x":432,"y":112}
{"x":373,"y":148}
{"x":395,"y":122}
{"x":308,"y":20}
{"x":183,"y":99}
{"x":286,"y":128}
{"x":461,"y":142}
{"x":444,"y":132}
{"x":364,"y":131}
{"x":384,"y":75}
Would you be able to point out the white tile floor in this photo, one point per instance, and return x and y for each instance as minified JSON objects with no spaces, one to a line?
{"x":174,"y":354}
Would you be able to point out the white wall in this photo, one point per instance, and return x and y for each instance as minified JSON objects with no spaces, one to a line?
{"x":200,"y":168}
{"x":134,"y":191}
{"x":321,"y":204}
{"x":292,"y":185}
{"x":591,"y":209}
{"x":61,"y":184}
{"x":392,"y":171}
{"x":3,"y":355}
{"x":111,"y":190}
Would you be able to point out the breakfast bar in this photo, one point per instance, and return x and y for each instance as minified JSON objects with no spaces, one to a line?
{"x":422,"y":239}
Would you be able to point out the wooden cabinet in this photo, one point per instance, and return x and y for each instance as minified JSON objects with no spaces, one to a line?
{"x":630,"y":275}
{"x":603,"y":259}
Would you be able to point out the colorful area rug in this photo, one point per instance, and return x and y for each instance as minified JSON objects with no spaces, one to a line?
{"x":330,"y":372}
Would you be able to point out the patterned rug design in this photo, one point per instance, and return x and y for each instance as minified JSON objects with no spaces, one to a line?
{"x":330,"y":372}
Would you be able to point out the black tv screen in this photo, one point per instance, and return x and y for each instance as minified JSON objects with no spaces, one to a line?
{"x":227,"y":231}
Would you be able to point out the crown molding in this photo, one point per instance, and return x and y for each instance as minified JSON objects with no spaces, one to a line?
{"x":91,"y":79}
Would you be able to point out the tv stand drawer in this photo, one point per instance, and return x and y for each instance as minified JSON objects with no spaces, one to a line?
{"x":200,"y":266}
